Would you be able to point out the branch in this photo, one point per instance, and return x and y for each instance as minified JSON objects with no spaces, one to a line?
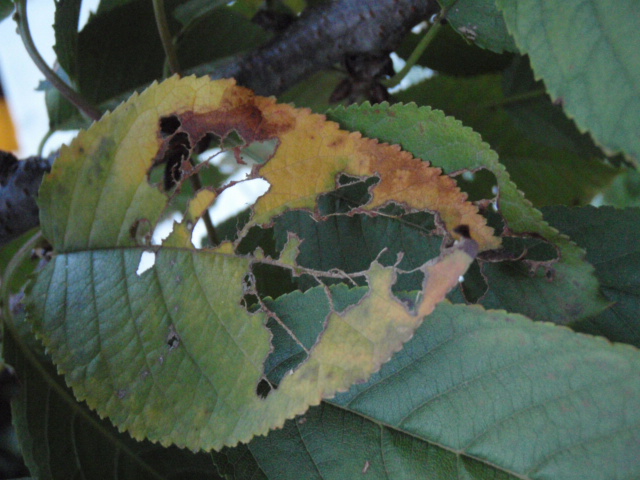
{"x":19,"y":184}
{"x":322,"y":36}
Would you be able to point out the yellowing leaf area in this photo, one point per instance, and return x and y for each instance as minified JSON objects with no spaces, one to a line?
{"x":176,"y":354}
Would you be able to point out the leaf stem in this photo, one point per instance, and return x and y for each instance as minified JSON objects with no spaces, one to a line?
{"x":417,"y":52}
{"x":165,"y":36}
{"x":69,"y":93}
{"x":43,"y":142}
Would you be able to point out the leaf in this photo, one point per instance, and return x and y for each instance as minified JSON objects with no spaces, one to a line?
{"x":572,"y":294}
{"x":538,"y":117}
{"x":217,"y":34}
{"x":314,"y":92}
{"x":61,"y":438}
{"x":475,"y":394}
{"x":193,"y":10}
{"x":624,"y":191}
{"x":595,"y":77}
{"x":480,"y":22}
{"x":106,"y":5}
{"x":611,"y":238}
{"x":130,"y":56}
{"x":6,"y":9}
{"x":184,"y":336}
{"x":65,"y":26}
{"x":449,"y":53}
{"x":63,"y":115}
{"x":546,"y":174}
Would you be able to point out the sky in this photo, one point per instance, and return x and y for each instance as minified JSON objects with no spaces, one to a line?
{"x":21,"y":77}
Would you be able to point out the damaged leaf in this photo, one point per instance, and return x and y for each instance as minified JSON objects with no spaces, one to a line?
{"x":177,"y":354}
{"x":563,"y":289}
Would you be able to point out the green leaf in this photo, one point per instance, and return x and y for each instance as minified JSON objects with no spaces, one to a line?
{"x":573,"y":294}
{"x":193,"y":10}
{"x":177,"y":354}
{"x":624,"y":191}
{"x":6,"y":8}
{"x":315,"y":91}
{"x":217,"y":34}
{"x":611,"y":238}
{"x":547,"y":175}
{"x":119,"y":51}
{"x":65,"y":26}
{"x":582,"y":51}
{"x":480,"y":22}
{"x":449,"y":53}
{"x":61,"y":438}
{"x":538,"y":118}
{"x":475,"y":394}
{"x":106,"y":5}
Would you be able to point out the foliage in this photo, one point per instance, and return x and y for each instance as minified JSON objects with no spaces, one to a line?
{"x":309,"y":336}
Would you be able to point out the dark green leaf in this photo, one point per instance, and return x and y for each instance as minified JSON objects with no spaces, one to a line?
{"x":537,"y":117}
{"x":193,"y":10}
{"x":119,"y":51}
{"x":480,"y":22}
{"x":220,"y":33}
{"x":6,"y":8}
{"x":248,"y":8}
{"x":586,"y":54}
{"x":449,"y":53}
{"x":511,"y":285}
{"x":611,"y":238}
{"x":65,"y":27}
{"x":106,"y":5}
{"x":314,"y":92}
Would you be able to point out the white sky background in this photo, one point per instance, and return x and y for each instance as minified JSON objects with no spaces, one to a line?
{"x":20,"y":76}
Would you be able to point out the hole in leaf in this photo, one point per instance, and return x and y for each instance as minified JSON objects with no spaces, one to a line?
{"x":351,"y":193}
{"x":479,"y":185}
{"x":274,"y":281}
{"x":408,"y":282}
{"x":231,"y":201}
{"x":231,"y":141}
{"x":173,"y":339}
{"x":147,"y":260}
{"x":258,"y":152}
{"x":474,"y":285}
{"x":293,"y":334}
{"x":169,"y":125}
{"x":165,"y":227}
{"x":258,"y":237}
{"x":264,"y":388}
{"x":168,"y":165}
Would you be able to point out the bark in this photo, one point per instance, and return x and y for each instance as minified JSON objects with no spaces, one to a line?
{"x":19,"y":183}
{"x":323,"y":36}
